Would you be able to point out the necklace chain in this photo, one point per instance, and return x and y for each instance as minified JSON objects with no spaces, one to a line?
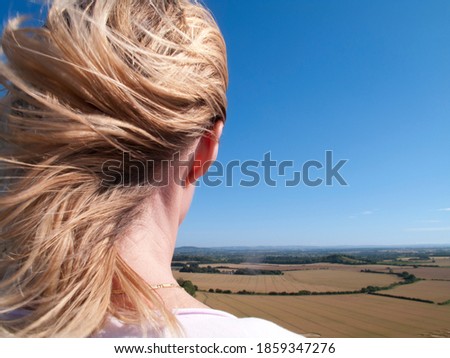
{"x":165,"y":285}
{"x":153,"y":287}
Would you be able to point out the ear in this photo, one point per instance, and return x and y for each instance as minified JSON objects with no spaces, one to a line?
{"x":205,"y":153}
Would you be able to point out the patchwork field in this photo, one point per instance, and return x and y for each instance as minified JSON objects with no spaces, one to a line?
{"x":340,"y":315}
{"x":429,"y":273}
{"x":317,"y":280}
{"x":306,"y":267}
{"x":328,"y":312}
{"x":436,"y":291}
{"x":441,"y":261}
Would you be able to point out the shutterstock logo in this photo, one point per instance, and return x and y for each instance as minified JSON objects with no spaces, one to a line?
{"x":244,"y":173}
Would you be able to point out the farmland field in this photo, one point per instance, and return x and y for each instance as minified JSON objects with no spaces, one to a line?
{"x":429,"y":273}
{"x":340,"y":315}
{"x":441,"y":261}
{"x":307,"y":267}
{"x":291,"y":281}
{"x":437,"y":291}
{"x":325,"y":311}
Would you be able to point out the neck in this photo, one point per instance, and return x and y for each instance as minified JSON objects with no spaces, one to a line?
{"x":149,"y":245}
{"x":150,"y":242}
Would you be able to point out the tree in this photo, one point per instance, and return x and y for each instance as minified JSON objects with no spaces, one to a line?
{"x":188,"y":286}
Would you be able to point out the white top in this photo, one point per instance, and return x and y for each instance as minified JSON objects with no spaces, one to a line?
{"x":206,"y":323}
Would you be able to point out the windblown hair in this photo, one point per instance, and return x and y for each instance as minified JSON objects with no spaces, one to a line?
{"x":100,"y":78}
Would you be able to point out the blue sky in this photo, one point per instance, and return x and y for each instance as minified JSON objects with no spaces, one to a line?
{"x":369,"y":80}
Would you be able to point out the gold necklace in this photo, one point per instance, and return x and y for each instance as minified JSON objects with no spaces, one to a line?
{"x":165,"y":285}
{"x":153,"y":287}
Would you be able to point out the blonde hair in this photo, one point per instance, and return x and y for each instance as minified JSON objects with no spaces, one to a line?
{"x":100,"y":78}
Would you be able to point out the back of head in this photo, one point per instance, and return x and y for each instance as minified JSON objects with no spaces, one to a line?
{"x":101,"y":78}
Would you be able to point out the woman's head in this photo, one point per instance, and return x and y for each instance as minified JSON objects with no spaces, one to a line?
{"x":101,"y":80}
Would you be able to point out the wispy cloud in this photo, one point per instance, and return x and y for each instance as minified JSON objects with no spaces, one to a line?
{"x":430,"y":221}
{"x":429,"y":229}
{"x":444,"y":209}
{"x":362,"y":213}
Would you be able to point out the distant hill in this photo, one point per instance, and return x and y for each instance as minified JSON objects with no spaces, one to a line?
{"x":302,"y":254}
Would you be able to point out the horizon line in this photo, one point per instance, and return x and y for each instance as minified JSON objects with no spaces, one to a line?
{"x":320,"y":246}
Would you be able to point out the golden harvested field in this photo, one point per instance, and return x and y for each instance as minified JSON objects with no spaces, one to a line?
{"x":429,"y":273}
{"x":291,"y":281}
{"x":441,"y":261}
{"x":317,"y":266}
{"x":262,"y":266}
{"x":437,"y":291}
{"x":334,"y":280}
{"x":340,"y":315}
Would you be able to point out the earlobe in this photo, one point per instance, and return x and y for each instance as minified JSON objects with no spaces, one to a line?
{"x":205,"y":153}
